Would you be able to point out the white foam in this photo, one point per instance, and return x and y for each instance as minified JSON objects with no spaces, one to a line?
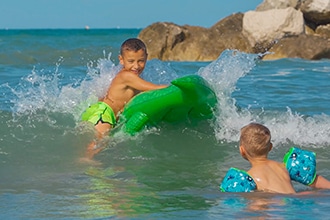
{"x":286,"y":126}
{"x":47,"y":92}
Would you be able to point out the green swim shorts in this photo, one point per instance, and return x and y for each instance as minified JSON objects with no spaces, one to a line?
{"x":99,"y":111}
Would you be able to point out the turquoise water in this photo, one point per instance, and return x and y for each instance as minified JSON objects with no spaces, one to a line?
{"x":48,"y":77}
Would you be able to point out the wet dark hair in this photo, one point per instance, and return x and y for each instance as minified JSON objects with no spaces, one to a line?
{"x":133,"y":44}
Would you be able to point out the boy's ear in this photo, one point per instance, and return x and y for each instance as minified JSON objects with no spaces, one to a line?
{"x":120,"y":58}
{"x":242,"y":151}
{"x":270,"y":146}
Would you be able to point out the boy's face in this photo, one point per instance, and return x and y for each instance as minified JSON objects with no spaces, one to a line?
{"x":133,"y":61}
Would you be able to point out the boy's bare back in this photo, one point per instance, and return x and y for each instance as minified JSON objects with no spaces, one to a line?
{"x":271,"y":176}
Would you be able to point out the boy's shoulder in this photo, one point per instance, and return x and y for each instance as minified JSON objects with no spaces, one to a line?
{"x":126,"y":73}
{"x":122,"y":74}
{"x":267,"y":167}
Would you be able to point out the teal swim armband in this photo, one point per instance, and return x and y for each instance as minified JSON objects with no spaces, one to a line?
{"x":301,"y":165}
{"x":237,"y":181}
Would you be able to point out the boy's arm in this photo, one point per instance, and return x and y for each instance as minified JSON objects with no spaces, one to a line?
{"x":320,"y":183}
{"x":140,"y":84}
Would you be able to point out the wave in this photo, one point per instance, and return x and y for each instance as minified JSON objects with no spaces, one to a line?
{"x":53,"y":92}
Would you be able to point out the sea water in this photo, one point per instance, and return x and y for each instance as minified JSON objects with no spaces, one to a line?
{"x":48,"y":78}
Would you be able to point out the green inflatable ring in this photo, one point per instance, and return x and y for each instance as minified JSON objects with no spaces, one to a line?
{"x":189,"y":97}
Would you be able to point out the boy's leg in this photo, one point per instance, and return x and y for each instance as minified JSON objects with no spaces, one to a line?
{"x":102,"y":129}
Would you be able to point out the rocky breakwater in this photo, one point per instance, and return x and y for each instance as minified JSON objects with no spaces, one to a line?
{"x":276,"y":29}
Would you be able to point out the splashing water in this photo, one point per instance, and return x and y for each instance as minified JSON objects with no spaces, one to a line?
{"x":223,"y":75}
{"x":287,"y":127}
{"x":53,"y":92}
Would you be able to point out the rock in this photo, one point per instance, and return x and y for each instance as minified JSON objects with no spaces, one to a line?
{"x":168,"y":41}
{"x":228,"y":34}
{"x":323,"y":30}
{"x":286,"y":28}
{"x":309,"y":30}
{"x":317,"y":11}
{"x":159,"y":36}
{"x":302,"y":46}
{"x":263,"y":29}
{"x":277,"y":4}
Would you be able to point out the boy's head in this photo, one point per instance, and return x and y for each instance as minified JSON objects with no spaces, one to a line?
{"x":255,"y":140}
{"x":133,"y":44}
{"x":133,"y":55}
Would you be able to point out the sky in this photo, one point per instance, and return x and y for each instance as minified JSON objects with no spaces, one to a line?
{"x":39,"y":14}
